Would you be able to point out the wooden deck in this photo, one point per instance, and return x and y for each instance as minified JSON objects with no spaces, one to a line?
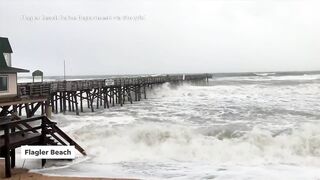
{"x":17,"y":140}
{"x":19,"y":100}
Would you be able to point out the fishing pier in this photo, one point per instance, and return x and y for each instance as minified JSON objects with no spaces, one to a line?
{"x":26,"y":108}
{"x":73,"y":96}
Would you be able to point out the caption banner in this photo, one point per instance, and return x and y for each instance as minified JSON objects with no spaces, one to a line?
{"x":47,"y":152}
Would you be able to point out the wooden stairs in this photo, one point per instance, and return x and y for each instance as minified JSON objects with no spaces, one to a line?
{"x":37,"y":130}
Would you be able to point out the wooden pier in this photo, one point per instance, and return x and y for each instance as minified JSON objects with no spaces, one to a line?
{"x":35,"y":101}
{"x":74,"y":96}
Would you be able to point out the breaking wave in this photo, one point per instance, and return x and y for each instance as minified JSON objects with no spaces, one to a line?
{"x":163,"y":142}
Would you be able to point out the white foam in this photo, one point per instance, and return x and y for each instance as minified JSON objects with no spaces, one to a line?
{"x":271,"y":77}
{"x":158,"y":142}
{"x":303,"y":77}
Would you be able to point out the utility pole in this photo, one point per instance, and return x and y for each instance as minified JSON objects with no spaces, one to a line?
{"x":64,"y":69}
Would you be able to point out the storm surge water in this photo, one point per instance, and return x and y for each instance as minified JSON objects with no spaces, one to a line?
{"x":260,"y":126}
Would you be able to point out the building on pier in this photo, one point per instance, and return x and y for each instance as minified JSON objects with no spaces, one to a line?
{"x":8,"y":74}
{"x":37,"y":76}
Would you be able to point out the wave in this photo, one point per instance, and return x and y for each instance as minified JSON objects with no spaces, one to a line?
{"x":163,"y":142}
{"x":265,"y":77}
{"x":300,"y":77}
{"x":265,"y":74}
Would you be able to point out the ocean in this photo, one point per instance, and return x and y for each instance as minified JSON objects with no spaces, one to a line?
{"x":258,"y":126}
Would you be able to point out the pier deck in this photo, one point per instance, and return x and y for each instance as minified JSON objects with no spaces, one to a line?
{"x":16,"y":140}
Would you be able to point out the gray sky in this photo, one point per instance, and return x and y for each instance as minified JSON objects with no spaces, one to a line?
{"x":168,"y":36}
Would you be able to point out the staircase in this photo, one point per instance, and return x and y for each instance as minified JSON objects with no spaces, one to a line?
{"x":55,"y":136}
{"x":38,"y":130}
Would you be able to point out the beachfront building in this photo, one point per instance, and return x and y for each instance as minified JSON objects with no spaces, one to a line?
{"x":8,"y":74}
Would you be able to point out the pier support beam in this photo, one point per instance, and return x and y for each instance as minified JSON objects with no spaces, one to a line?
{"x":76,"y":102}
{"x":81,"y":105}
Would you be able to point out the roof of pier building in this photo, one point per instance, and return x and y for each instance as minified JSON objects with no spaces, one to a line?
{"x":37,"y":73}
{"x":5,"y":47}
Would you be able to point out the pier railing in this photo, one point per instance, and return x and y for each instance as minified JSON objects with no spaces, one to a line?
{"x":34,"y":89}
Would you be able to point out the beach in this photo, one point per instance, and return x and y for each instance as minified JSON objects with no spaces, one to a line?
{"x":23,"y":174}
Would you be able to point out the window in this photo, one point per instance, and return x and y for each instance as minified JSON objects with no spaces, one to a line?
{"x":7,"y":57}
{"x":3,"y":83}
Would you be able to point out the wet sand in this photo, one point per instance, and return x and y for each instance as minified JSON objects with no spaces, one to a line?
{"x":23,"y":174}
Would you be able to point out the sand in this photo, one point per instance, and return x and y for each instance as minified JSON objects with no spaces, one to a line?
{"x":23,"y":174}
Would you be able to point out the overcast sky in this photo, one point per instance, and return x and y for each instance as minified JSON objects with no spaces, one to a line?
{"x":165,"y":36}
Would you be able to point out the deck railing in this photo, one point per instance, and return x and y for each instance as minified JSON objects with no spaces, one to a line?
{"x":34,"y":89}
